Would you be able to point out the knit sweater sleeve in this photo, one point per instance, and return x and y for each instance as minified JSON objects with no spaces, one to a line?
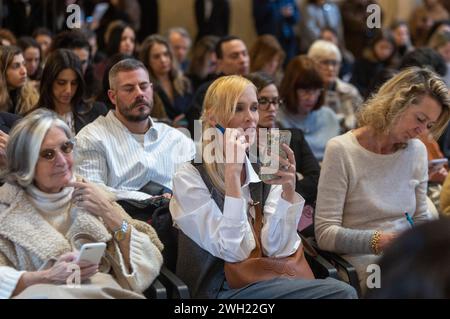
{"x":9,"y":277}
{"x":332,"y":191}
{"x":145,"y":258}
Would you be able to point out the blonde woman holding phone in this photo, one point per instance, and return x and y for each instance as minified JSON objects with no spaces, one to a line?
{"x":215,"y":221}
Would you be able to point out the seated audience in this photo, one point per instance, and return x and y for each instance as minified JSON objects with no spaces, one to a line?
{"x":173,"y":90}
{"x":7,"y":121}
{"x":126,"y":149}
{"x":376,"y":57}
{"x":346,"y":69}
{"x":110,"y":62}
{"x":303,"y":108}
{"x":33,"y":62}
{"x":211,"y":200}
{"x":267,"y":55}
{"x":420,"y":24}
{"x":373,"y":175}
{"x":44,"y":37}
{"x":180,"y":41}
{"x":120,"y":38}
{"x":46,"y":213}
{"x":429,"y":58}
{"x":17,"y":94}
{"x":77,"y":42}
{"x":62,"y":90}
{"x":308,"y":168}
{"x":203,"y":61}
{"x":343,"y":98}
{"x":440,"y":42}
{"x":424,"y":17}
{"x":232,"y":58}
{"x":400,"y":33}
{"x":7,"y":38}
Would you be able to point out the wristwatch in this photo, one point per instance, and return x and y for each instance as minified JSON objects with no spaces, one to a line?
{"x":121,"y":232}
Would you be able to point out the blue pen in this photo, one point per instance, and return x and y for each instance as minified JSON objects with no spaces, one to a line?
{"x":409,"y":219}
{"x":220,"y":128}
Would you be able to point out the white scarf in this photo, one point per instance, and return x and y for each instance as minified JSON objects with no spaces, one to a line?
{"x":54,"y":207}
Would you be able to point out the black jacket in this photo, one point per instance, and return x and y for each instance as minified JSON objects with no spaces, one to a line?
{"x":307,"y":166}
{"x":85,"y":114}
{"x":219,"y":21}
{"x":7,"y":121}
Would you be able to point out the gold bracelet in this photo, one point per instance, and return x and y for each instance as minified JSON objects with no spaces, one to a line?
{"x":375,"y":241}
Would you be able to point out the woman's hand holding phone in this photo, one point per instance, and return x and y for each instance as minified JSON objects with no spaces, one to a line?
{"x":61,"y":270}
{"x":286,"y":174}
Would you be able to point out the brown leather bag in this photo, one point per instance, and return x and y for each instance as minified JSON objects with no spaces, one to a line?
{"x":258,"y":267}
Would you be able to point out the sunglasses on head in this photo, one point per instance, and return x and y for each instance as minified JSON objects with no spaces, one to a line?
{"x":50,"y":154}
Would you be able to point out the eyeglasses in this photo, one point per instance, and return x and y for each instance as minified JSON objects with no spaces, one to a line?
{"x":309,"y":92}
{"x":333,"y":63}
{"x":50,"y":154}
{"x":264,"y":102}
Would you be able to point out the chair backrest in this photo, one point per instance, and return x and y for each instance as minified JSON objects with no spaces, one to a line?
{"x":161,"y":221}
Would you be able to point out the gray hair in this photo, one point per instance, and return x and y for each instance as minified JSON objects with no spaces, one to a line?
{"x":181,"y":31}
{"x":124,"y":66}
{"x":321,"y":49}
{"x":25,"y":140}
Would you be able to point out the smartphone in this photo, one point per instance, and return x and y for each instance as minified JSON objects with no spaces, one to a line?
{"x":269,"y":162}
{"x":437,"y":163}
{"x":92,"y":252}
{"x":220,"y":128}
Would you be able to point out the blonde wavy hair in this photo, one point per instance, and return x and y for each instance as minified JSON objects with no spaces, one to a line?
{"x":403,"y":90}
{"x":220,"y":104}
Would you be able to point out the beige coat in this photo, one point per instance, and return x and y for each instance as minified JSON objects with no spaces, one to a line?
{"x":27,"y":240}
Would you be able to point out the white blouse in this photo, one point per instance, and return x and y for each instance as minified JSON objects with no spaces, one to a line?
{"x":228,"y":234}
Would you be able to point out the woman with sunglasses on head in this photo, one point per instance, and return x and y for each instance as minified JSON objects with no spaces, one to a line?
{"x":62,"y":90}
{"x":46,"y":213}
{"x":302,"y":93}
{"x":308,"y":168}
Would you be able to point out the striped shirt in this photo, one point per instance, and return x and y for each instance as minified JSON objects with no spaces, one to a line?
{"x":108,"y":153}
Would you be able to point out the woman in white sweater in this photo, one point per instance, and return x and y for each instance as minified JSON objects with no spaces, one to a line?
{"x":46,"y":213}
{"x":373,"y":175}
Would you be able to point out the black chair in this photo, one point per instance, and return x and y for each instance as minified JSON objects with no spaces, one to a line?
{"x":162,"y":223}
{"x":156,"y":290}
{"x":335,"y":260}
{"x":156,"y":212}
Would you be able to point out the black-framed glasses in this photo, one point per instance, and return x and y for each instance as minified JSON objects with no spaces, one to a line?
{"x":264,"y":102}
{"x":49,"y":154}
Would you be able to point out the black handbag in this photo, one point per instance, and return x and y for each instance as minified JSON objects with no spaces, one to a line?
{"x":143,"y":209}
